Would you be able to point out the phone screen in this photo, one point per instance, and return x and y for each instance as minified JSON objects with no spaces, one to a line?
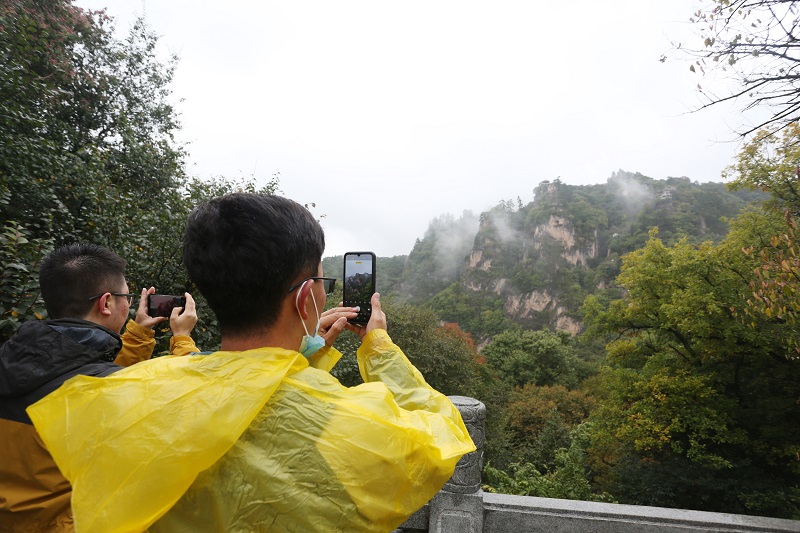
{"x":162,"y":304}
{"x":359,"y":283}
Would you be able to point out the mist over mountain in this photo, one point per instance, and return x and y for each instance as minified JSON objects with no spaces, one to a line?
{"x":534,"y":264}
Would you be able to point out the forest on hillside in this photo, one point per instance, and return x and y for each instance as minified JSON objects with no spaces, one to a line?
{"x":634,"y":341}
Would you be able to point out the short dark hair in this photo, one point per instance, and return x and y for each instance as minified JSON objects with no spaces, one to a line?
{"x":69,"y":275}
{"x":244,"y":251}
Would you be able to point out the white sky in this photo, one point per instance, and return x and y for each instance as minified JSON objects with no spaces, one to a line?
{"x":388,"y":114}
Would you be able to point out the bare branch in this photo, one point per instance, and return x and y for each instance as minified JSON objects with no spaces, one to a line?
{"x":756,"y":43}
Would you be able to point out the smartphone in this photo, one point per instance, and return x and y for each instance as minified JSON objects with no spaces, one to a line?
{"x":162,"y":304}
{"x":359,"y":284}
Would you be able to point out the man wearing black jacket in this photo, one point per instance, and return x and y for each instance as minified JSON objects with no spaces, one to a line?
{"x":87,"y":301}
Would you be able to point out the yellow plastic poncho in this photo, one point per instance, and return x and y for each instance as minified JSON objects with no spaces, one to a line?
{"x":252,"y":441}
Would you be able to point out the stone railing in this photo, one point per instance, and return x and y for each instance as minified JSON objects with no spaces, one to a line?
{"x":462,"y":507}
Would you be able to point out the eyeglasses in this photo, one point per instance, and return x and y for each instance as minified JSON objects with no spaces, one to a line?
{"x":327,"y":283}
{"x":127,"y":295}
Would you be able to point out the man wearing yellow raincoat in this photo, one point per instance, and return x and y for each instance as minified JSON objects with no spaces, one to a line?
{"x":258,"y":436}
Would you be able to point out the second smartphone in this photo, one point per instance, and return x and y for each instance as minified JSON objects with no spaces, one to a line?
{"x":359,"y":284}
{"x":162,"y":304}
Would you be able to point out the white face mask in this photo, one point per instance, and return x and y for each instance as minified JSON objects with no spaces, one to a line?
{"x":310,"y":344}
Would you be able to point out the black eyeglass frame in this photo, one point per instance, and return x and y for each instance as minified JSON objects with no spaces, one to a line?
{"x":128,"y":295}
{"x":328,"y":290}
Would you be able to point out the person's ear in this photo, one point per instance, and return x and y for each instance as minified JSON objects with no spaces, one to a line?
{"x":303,"y":298}
{"x":104,"y":304}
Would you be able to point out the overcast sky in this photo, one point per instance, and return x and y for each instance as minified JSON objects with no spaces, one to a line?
{"x":388,"y":114}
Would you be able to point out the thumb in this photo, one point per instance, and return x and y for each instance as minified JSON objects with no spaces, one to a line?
{"x":190,"y":305}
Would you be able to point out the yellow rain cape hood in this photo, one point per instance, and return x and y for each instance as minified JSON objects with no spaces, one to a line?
{"x":170,"y":432}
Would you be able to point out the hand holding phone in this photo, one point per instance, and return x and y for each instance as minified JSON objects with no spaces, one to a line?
{"x":143,"y":318}
{"x":359,"y":284}
{"x":184,"y":322}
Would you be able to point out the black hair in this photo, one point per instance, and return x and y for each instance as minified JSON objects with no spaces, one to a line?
{"x":243,"y":251}
{"x":71,"y":274}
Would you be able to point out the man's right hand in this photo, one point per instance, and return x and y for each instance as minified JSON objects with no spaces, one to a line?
{"x":333,"y":321}
{"x":183,"y":323}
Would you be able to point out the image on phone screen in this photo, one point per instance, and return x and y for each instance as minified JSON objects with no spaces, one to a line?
{"x":359,"y":284}
{"x":162,"y":304}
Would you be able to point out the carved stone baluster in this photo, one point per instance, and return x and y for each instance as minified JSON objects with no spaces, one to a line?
{"x":459,"y":505}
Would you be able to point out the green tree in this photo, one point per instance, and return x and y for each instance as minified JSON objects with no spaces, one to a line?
{"x":19,"y":281}
{"x":770,"y":163}
{"x":541,"y":420}
{"x":88,"y":153}
{"x":698,"y":401}
{"x":568,"y":479}
{"x":537,"y":357}
{"x":86,"y":122}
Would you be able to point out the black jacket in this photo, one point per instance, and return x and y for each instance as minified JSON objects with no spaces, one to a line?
{"x":43,"y":354}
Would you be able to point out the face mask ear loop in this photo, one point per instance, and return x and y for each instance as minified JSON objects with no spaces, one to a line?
{"x":297,"y":306}
{"x":319,"y":318}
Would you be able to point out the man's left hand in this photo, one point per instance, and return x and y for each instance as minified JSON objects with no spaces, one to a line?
{"x":142,"y":318}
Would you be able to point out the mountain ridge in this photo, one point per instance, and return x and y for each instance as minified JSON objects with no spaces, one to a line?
{"x":534,"y":264}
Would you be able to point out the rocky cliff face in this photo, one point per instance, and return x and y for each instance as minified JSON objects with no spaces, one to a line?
{"x":561,"y":231}
{"x":540,"y":306}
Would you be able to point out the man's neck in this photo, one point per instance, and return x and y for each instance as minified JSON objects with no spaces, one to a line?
{"x":275,"y":337}
{"x":241,"y":344}
{"x":286,"y":332}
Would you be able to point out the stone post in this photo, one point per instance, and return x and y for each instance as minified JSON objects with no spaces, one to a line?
{"x":459,"y":505}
